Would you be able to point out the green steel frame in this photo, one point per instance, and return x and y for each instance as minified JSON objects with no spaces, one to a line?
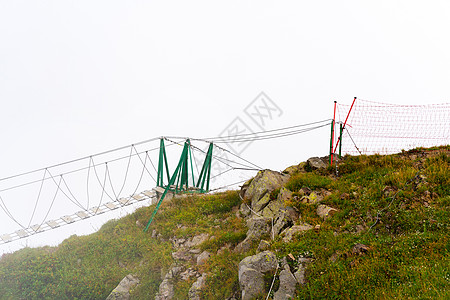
{"x":162,"y":162}
{"x":181,"y":174}
{"x":205,"y":174}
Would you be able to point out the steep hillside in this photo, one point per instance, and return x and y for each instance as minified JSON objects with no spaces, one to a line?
{"x":374,"y":227}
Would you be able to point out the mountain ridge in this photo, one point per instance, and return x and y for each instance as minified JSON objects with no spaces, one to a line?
{"x":367,"y":227}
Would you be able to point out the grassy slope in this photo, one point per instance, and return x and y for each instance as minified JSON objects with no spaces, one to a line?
{"x":409,"y":256}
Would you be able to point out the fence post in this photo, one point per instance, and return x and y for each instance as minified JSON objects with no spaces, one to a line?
{"x":339,"y":139}
{"x":161,"y":162}
{"x":332,"y":134}
{"x":331,"y":143}
{"x":341,"y":130}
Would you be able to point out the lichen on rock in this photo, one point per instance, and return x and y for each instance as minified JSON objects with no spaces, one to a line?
{"x":251,"y":273}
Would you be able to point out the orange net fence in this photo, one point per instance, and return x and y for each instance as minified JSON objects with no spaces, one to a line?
{"x":374,"y":127}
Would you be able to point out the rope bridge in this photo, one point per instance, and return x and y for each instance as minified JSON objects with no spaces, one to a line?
{"x":58,"y":195}
{"x":62,"y":194}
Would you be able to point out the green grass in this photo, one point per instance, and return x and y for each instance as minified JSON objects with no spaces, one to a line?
{"x":309,"y":180}
{"x":89,"y":267}
{"x":223,"y":280}
{"x":398,"y":205}
{"x":413,"y":266}
{"x":410,"y":245}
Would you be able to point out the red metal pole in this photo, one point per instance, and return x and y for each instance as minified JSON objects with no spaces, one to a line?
{"x":343,"y":127}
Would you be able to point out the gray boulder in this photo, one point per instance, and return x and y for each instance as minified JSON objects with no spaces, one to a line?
{"x":273,"y":207}
{"x":257,"y":227}
{"x":166,"y":291}
{"x":258,"y":190}
{"x":284,"y":195}
{"x":286,"y":217}
{"x":244,"y":187}
{"x":196,"y":288}
{"x":290,"y":232}
{"x":360,"y":249}
{"x":203,"y":257}
{"x":263,"y":246}
{"x":251,"y":282}
{"x":312,"y":198}
{"x":186,"y":275}
{"x":182,"y":255}
{"x":295,"y":169}
{"x":251,"y":273}
{"x":287,"y":285}
{"x":244,"y":210}
{"x":122,"y":291}
{"x":325,"y":211}
{"x":300,"y":273}
{"x":197,"y":240}
{"x":316,"y":163}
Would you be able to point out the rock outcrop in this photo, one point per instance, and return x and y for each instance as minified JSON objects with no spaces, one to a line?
{"x":251,"y":273}
{"x":287,"y":285}
{"x":187,"y":253}
{"x":203,"y":257}
{"x":122,"y":291}
{"x":268,"y":215}
{"x":196,"y":288}
{"x":166,"y":291}
{"x":300,"y":273}
{"x":257,"y":191}
{"x":295,"y":169}
{"x":325,"y":211}
{"x":290,"y":232}
{"x":266,"y":209}
{"x":286,"y":217}
{"x":257,"y":227}
{"x":316,"y":163}
{"x":360,"y":249}
{"x":273,"y":207}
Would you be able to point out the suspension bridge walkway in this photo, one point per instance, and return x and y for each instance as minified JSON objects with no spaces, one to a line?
{"x":39,"y":200}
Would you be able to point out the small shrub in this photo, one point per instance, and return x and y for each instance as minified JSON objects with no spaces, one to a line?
{"x":274,"y":194}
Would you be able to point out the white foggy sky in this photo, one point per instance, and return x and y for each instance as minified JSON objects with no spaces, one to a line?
{"x":81,"y":77}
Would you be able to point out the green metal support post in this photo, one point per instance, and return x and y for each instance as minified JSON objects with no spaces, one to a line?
{"x":161,"y":164}
{"x":345,"y":122}
{"x":181,"y":174}
{"x":205,"y":173}
{"x":331,"y":142}
{"x":184,"y":168}
{"x":332,"y":134}
{"x":171,"y":182}
{"x":192,"y":166}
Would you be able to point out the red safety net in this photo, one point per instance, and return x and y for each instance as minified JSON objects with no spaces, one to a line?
{"x":374,"y":127}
